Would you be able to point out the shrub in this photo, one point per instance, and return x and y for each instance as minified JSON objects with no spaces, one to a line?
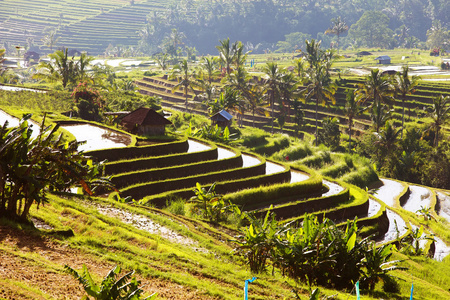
{"x":254,"y":140}
{"x":330,"y":134}
{"x":317,"y":160}
{"x":294,"y":153}
{"x":176,"y":206}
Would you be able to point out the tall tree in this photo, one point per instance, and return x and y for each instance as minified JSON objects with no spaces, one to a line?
{"x":209,"y":67}
{"x":379,"y":114}
{"x":50,"y":39}
{"x":338,"y":27}
{"x":226,"y":54}
{"x":59,"y":68}
{"x":320,"y":88}
{"x":185,"y":78}
{"x":272,"y":83}
{"x":372,"y":30}
{"x":352,"y":109}
{"x":403,"y":86}
{"x":377,"y":88}
{"x":440,"y":113}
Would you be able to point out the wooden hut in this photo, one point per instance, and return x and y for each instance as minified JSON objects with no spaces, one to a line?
{"x":222,"y":118}
{"x":383,"y":59}
{"x":145,"y":121}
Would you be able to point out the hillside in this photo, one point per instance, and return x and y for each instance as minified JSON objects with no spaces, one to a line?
{"x":145,"y":26}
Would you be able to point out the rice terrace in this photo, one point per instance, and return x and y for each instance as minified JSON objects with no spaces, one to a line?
{"x":269,"y":149}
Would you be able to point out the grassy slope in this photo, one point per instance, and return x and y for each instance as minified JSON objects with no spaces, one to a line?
{"x":206,"y":269}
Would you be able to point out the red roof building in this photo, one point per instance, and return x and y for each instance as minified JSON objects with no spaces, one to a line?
{"x":145,"y":121}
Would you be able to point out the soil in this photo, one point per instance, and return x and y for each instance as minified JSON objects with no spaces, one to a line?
{"x":17,"y":265}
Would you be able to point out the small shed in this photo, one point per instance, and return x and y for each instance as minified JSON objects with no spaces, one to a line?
{"x":145,"y":121}
{"x":222,"y":118}
{"x":383,"y":59}
{"x":363,"y":53}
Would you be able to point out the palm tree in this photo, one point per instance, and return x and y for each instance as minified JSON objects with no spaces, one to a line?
{"x":377,"y":88}
{"x":314,"y":55}
{"x":299,"y":67}
{"x":59,"y":68}
{"x":162,"y":60}
{"x":226,"y":54}
{"x":440,"y":113}
{"x":338,"y":27}
{"x":272,"y":84}
{"x":288,"y":90}
{"x":255,"y":100}
{"x":172,"y":41}
{"x":185,"y":78}
{"x":50,"y":40}
{"x":404,"y":86}
{"x":210,"y":67}
{"x":239,"y":55}
{"x":239,"y":80}
{"x":83,"y":65}
{"x":321,"y":88}
{"x":388,"y":138}
{"x":379,"y":114}
{"x":352,"y":109}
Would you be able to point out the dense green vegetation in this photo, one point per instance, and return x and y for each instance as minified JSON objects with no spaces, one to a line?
{"x":212,"y":200}
{"x":130,"y":28}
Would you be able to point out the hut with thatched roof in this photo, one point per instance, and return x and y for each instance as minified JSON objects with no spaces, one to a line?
{"x":145,"y":121}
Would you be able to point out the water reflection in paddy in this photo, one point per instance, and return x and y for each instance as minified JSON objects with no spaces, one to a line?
{"x":333,"y":188}
{"x":297,"y":176}
{"x":396,"y":223}
{"x":223,"y":153}
{"x":249,"y":161}
{"x":374,"y":208}
{"x":272,"y":168}
{"x":97,"y":137}
{"x":444,"y":202}
{"x":389,"y":191}
{"x":195,"y":146}
{"x":419,"y":197}
{"x":14,"y":122}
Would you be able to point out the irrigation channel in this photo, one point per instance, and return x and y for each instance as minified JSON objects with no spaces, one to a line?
{"x":418,"y":198}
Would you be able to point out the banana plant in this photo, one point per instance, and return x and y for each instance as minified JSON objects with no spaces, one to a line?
{"x":377,"y":264}
{"x":111,"y":288}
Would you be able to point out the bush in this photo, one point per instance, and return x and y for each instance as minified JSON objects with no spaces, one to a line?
{"x":254,"y":140}
{"x":176,"y":206}
{"x":317,"y":160}
{"x":294,"y":153}
{"x":330,"y":134}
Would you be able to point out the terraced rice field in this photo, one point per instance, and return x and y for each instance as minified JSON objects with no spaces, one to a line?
{"x":415,"y":106}
{"x":79,"y":26}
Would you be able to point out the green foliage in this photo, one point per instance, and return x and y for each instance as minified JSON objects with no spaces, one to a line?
{"x":110,"y":288}
{"x":30,"y":167}
{"x":211,"y":205}
{"x":88,"y":101}
{"x":330,"y":135}
{"x":293,"y":42}
{"x":372,"y":30}
{"x":254,"y":140}
{"x":318,"y":252}
{"x":212,"y":133}
{"x":317,"y":160}
{"x":410,"y":243}
{"x":294,"y":152}
{"x":176,"y":206}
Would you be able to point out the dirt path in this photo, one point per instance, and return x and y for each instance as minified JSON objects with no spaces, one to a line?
{"x":37,"y":262}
